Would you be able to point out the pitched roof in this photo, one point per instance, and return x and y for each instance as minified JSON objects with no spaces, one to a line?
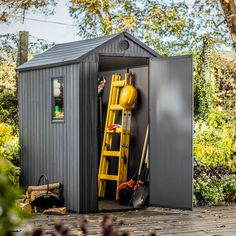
{"x":74,"y":51}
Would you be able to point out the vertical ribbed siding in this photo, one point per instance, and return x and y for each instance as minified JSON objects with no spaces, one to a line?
{"x":47,"y":147}
{"x":88,"y":138}
{"x":134,"y":49}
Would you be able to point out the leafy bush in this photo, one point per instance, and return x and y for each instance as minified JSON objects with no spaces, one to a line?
{"x":9,"y":149}
{"x":213,"y":186}
{"x":207,"y":190}
{"x":10,"y":214}
{"x":8,"y":108}
{"x":215,"y":141}
{"x":228,"y":183}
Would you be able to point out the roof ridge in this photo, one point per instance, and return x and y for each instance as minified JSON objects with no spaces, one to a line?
{"x":91,"y":39}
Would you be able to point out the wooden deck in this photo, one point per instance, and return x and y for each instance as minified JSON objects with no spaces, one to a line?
{"x":201,"y":221}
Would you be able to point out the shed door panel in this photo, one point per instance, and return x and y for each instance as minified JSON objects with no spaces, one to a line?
{"x":171,"y":111}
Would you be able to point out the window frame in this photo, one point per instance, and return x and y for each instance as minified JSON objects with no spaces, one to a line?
{"x":57,"y":120}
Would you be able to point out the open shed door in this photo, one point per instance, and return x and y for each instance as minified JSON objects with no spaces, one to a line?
{"x":171,"y":113}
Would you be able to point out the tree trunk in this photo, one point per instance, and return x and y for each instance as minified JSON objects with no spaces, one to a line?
{"x":22,"y":54}
{"x":229,"y":9}
{"x":23,"y":47}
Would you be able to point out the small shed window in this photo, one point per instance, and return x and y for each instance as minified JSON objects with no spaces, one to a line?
{"x":58,"y":99}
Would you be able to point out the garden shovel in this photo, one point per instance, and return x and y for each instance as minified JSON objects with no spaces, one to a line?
{"x":141,"y":193}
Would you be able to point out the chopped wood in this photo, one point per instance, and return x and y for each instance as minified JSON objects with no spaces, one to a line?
{"x":56,"y":211}
{"x":44,"y":187}
{"x":36,"y":194}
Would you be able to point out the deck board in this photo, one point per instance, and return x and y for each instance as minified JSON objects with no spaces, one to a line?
{"x":215,"y":221}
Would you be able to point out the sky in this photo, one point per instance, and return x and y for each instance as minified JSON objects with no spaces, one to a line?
{"x":51,"y":32}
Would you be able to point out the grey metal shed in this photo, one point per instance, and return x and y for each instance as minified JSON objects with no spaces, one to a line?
{"x":67,"y":149}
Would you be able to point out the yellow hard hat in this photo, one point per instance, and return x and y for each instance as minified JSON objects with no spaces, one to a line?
{"x":128,"y":96}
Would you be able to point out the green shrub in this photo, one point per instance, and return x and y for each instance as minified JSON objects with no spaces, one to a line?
{"x":215,"y":141}
{"x":213,"y":186}
{"x":9,"y":151}
{"x":208,"y":190}
{"x":8,"y":108}
{"x":10,"y":214}
{"x":228,"y":183}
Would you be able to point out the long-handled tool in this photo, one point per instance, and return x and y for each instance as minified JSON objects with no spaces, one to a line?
{"x":141,"y":193}
{"x":125,"y":190}
{"x":141,"y":164}
{"x":101,"y":86}
{"x":143,"y":155}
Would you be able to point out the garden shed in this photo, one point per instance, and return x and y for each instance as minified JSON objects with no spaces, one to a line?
{"x":59,"y":128}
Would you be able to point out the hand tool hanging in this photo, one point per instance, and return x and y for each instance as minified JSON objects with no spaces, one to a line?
{"x":101,"y":86}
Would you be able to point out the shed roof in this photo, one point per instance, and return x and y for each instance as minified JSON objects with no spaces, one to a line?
{"x":72,"y":52}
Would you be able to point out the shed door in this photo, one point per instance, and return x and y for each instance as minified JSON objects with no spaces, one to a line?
{"x":171,"y":113}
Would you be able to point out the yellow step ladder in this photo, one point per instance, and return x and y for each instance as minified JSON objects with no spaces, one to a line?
{"x":123,"y":129}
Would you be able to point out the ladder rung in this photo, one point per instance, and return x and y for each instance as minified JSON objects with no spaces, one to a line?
{"x":120,"y":83}
{"x":109,"y":177}
{"x":116,"y":107}
{"x":117,"y":130}
{"x":111,"y":153}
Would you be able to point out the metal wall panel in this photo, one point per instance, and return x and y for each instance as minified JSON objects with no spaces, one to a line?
{"x":171,"y":113}
{"x":47,"y":147}
{"x":88,"y":137}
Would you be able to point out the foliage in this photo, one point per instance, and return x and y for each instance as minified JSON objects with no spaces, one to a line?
{"x":8,"y":58}
{"x":8,"y":108}
{"x":215,"y":141}
{"x":9,"y":150}
{"x":164,"y":26}
{"x":10,"y":214}
{"x":203,"y":98}
{"x":8,"y":62}
{"x":213,"y":186}
{"x":96,"y":18}
{"x":151,"y":21}
{"x":207,"y":191}
{"x":229,"y":187}
{"x":172,"y":28}
{"x":223,"y":78}
{"x":12,"y":8}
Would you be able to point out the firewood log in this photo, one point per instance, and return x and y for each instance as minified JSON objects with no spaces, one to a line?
{"x":56,"y":211}
{"x":44,"y":187}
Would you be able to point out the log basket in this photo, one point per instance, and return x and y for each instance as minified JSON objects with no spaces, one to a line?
{"x":48,"y":199}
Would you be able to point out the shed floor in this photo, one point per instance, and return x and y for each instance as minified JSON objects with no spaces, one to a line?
{"x":201,"y":221}
{"x":111,"y":205}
